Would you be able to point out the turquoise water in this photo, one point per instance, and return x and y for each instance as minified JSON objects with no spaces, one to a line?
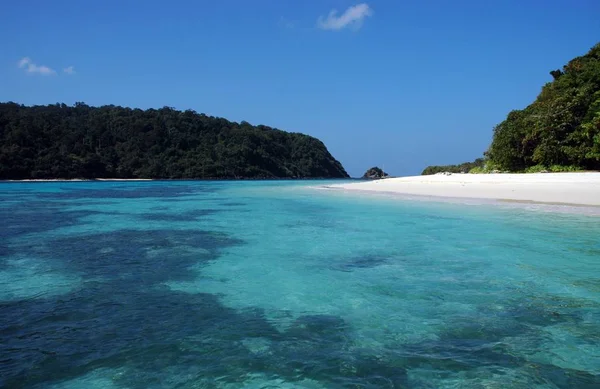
{"x":279,"y":284}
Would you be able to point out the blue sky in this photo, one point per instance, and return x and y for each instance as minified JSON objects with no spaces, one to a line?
{"x":400,"y":83}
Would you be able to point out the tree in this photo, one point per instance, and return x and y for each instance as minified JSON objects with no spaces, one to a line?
{"x":59,"y":141}
{"x":560,"y":128}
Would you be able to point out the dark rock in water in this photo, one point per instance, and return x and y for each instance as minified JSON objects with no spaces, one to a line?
{"x":362,"y":262}
{"x":316,"y":347}
{"x":189,"y":216}
{"x":565,"y":378}
{"x":374,"y":173}
{"x":319,"y":327}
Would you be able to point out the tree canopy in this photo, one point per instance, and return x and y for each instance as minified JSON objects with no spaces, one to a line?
{"x":80,"y":141}
{"x":559,"y":131}
{"x":561,"y":127}
{"x":461,"y":168}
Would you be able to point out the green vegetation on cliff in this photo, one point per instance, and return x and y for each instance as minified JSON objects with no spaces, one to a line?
{"x":560,"y":130}
{"x":561,"y":127}
{"x":60,"y":141}
{"x":462,"y":168}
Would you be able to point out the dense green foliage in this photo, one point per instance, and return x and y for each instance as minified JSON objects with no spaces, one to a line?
{"x":552,"y":169}
{"x":560,"y":130}
{"x":462,"y":168}
{"x":60,"y":141}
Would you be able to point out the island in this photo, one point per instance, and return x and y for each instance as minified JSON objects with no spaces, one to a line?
{"x":556,"y":139}
{"x":374,"y":173}
{"x":69,"y":142}
{"x":558,"y":132}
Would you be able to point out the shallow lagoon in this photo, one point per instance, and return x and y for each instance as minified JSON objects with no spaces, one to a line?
{"x":276,"y":284}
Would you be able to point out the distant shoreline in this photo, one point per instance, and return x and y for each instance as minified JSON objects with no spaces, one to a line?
{"x":580,"y":189}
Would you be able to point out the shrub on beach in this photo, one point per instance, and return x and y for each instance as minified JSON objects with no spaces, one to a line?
{"x":552,"y":169}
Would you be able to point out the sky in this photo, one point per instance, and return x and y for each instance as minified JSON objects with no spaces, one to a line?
{"x":399,"y":84}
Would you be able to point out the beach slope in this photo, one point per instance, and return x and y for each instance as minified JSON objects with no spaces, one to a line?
{"x":552,"y":188}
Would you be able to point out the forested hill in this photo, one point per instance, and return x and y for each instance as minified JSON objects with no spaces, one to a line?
{"x":559,"y":131}
{"x":561,"y":127}
{"x":60,"y":141}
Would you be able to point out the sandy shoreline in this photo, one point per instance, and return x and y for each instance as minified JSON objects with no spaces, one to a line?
{"x":549,"y":188}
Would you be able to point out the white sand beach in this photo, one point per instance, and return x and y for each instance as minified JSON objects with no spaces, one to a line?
{"x":552,"y":188}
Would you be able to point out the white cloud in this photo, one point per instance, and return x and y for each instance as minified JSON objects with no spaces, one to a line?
{"x":352,"y":17}
{"x":285,"y":23}
{"x":69,"y":70}
{"x":23,"y":62}
{"x":30,"y":67}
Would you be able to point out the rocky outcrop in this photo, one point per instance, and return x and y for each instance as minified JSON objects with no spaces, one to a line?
{"x":374,"y":173}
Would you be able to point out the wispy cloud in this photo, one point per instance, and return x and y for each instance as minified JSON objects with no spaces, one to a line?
{"x":352,"y":17}
{"x":285,"y":23}
{"x":24,"y":61}
{"x":30,"y":67}
{"x":69,"y":70}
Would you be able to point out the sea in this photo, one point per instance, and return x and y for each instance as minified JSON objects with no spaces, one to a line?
{"x":288,"y":284}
